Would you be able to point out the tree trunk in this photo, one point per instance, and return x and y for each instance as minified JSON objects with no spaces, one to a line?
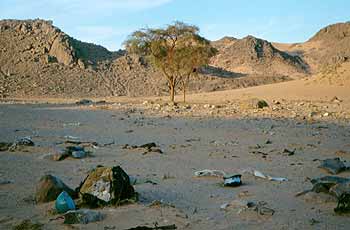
{"x":172,"y":93}
{"x":184,"y":91}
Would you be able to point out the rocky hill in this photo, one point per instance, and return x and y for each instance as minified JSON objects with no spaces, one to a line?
{"x":329,"y":46}
{"x":252,"y":55}
{"x":39,"y":60}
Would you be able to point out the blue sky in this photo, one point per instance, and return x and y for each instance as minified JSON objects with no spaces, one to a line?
{"x":109,"y":22}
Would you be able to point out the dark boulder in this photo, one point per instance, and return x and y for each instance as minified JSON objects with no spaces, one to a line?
{"x":49,"y":187}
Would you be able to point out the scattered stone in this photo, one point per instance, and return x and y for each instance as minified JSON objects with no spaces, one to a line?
{"x":84,"y":102}
{"x":333,"y":166}
{"x":64,"y":203}
{"x":268,"y":142}
{"x":276,"y":102}
{"x":28,"y":225}
{"x":343,"y":205}
{"x":136,"y":181}
{"x":261,"y":104}
{"x":329,"y":181}
{"x":338,"y":187}
{"x":262,"y":209}
{"x":209,"y":172}
{"x":71,"y":149}
{"x":24,"y":141}
{"x":172,"y":104}
{"x":263,"y":155}
{"x":289,"y":152}
{"x":105,"y":185}
{"x":49,"y":187}
{"x":313,"y":114}
{"x":82,"y":216}
{"x":342,"y":153}
{"x":59,"y":155}
{"x":314,"y":221}
{"x":79,"y":154}
{"x":149,"y":147}
{"x":100,"y":102}
{"x":238,"y":203}
{"x":336,"y":100}
{"x":4,"y":146}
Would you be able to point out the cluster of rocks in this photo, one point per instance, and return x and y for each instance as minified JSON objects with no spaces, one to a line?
{"x":103,"y":186}
{"x":301,"y":110}
{"x":17,"y":144}
{"x":335,"y":186}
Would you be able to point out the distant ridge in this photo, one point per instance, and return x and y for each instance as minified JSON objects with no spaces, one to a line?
{"x":38,"y":59}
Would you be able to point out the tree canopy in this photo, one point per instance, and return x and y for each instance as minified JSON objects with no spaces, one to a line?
{"x":177,"y":51}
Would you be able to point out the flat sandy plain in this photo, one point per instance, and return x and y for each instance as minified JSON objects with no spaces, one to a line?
{"x":218,"y":130}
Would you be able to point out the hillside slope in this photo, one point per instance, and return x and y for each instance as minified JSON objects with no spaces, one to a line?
{"x":329,"y":46}
{"x":252,"y":55}
{"x":38,"y":59}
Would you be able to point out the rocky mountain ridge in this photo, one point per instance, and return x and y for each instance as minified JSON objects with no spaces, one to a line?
{"x":37,"y":59}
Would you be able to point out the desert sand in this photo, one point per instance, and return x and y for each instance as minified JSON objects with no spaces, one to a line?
{"x":220,"y":130}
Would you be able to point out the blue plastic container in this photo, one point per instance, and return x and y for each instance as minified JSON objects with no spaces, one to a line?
{"x":64,"y":203}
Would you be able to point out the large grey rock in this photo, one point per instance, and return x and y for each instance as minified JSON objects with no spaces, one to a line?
{"x":49,"y":187}
{"x":105,"y":185}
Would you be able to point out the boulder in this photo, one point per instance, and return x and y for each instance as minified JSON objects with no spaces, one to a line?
{"x":49,"y":187}
{"x":261,"y":104}
{"x":61,"y":51}
{"x":104,"y":186}
{"x":64,"y":203}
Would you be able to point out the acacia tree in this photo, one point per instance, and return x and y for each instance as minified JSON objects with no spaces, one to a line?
{"x":177,"y":51}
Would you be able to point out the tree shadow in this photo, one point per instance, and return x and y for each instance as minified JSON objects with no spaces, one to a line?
{"x":219,"y":72}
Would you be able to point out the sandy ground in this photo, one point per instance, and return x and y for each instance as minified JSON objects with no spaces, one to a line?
{"x":214,"y":131}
